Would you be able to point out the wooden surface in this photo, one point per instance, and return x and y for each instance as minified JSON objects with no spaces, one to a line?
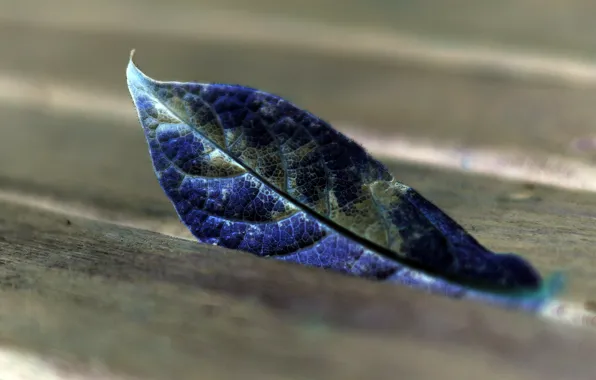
{"x":87,"y":281}
{"x":158,"y":307}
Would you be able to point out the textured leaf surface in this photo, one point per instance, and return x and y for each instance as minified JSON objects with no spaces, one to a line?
{"x":248,"y":170}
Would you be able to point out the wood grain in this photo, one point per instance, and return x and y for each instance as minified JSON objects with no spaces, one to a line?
{"x":151,"y":306}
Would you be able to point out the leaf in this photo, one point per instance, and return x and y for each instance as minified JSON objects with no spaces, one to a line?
{"x":250,"y":171}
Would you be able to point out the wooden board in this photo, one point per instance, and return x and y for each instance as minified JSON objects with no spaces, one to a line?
{"x":151,"y":306}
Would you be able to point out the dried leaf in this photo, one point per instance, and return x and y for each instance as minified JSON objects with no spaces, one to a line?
{"x":250,"y":171}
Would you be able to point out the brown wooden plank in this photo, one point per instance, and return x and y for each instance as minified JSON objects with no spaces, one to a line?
{"x":386,"y":96}
{"x":564,"y":27}
{"x":151,"y":306}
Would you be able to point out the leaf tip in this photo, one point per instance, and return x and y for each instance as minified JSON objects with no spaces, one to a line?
{"x":135,"y":77}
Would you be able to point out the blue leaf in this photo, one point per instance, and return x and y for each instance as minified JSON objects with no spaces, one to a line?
{"x":248,"y":170}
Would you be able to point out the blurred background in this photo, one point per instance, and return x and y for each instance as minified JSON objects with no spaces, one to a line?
{"x":438,"y":89}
